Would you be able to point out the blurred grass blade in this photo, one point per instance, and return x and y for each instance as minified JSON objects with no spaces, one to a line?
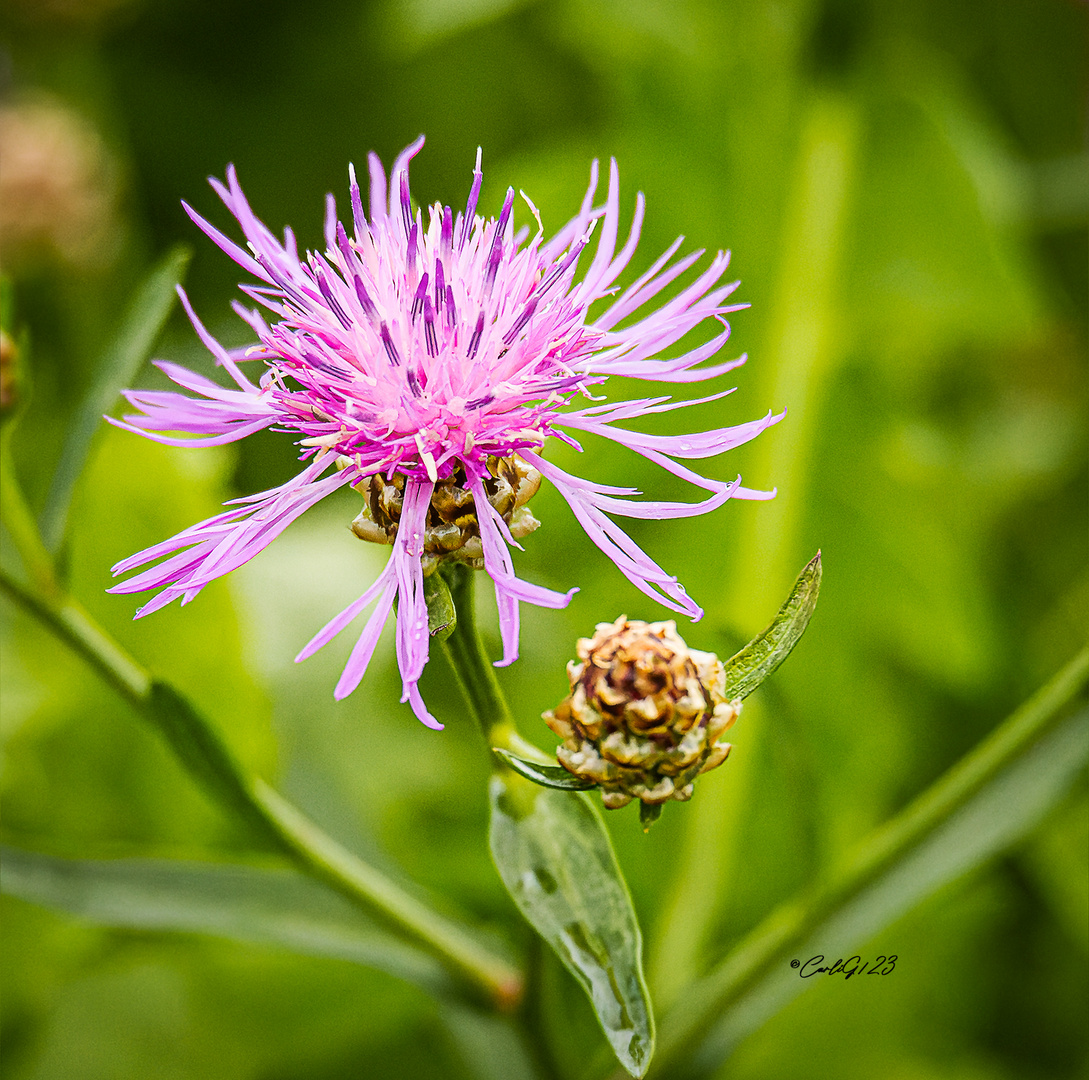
{"x":116,"y":369}
{"x":746,"y":670}
{"x":986,"y":802}
{"x":490,"y":1047}
{"x":266,"y":907}
{"x":554,"y":856}
{"x":1001,"y":814}
{"x":550,"y":776}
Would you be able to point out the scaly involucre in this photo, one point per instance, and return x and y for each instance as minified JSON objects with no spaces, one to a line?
{"x":425,"y":348}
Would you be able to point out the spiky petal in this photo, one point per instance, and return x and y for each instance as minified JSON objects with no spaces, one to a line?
{"x":425,"y":347}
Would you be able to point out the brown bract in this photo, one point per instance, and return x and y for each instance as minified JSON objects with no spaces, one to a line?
{"x":452,"y":529}
{"x":644,"y":713}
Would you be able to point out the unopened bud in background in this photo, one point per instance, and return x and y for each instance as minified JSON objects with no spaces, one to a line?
{"x":59,"y":187}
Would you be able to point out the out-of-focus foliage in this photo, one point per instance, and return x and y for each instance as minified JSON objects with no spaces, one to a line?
{"x":904,"y":188}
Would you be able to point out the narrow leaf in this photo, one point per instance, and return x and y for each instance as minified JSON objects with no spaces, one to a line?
{"x":549,"y":776}
{"x":998,"y":816}
{"x":555,"y":858}
{"x":746,"y":670}
{"x":242,"y":903}
{"x":116,"y":369}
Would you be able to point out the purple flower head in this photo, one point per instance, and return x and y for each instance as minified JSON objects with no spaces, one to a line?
{"x":422,"y":349}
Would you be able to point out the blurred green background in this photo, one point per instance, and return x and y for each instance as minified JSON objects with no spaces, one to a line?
{"x":904,"y":187}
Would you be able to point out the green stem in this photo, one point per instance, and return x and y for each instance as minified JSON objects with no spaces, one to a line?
{"x":475,"y":675}
{"x":473,"y":670}
{"x":703,"y":1002}
{"x":21,"y":526}
{"x":321,"y":856}
{"x":274,"y":820}
{"x":71,"y":623}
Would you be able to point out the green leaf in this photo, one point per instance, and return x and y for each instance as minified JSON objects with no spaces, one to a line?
{"x":1000,"y":815}
{"x":116,"y":369}
{"x":986,"y":802}
{"x":555,"y":858}
{"x":442,"y":616}
{"x":746,"y":670}
{"x":549,"y":776}
{"x":243,"y":903}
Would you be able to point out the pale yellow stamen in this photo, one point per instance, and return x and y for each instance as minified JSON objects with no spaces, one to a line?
{"x":326,"y":441}
{"x":427,"y":459}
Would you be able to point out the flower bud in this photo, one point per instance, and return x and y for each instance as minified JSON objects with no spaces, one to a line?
{"x":644,"y":713}
{"x":452,"y":531}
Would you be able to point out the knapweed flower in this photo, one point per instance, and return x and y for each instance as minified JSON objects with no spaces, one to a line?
{"x":426,"y":360}
{"x":644,"y":714}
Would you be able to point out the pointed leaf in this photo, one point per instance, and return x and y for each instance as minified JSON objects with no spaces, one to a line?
{"x":243,"y":903}
{"x":116,"y":369}
{"x":746,"y":670}
{"x":550,"y":776}
{"x":555,"y":858}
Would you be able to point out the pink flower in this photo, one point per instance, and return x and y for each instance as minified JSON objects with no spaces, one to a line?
{"x":422,"y":345}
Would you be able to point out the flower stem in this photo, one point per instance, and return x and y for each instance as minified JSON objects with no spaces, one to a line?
{"x":322,"y":857}
{"x":194,"y":739}
{"x":274,"y":820}
{"x":475,"y":673}
{"x":480,"y":689}
{"x":19,"y":522}
{"x":465,"y":651}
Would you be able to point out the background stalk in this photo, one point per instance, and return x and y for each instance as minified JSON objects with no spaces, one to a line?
{"x":802,"y":351}
{"x":274,"y":821}
{"x":771,"y":943}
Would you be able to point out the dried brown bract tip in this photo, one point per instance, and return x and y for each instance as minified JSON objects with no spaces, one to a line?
{"x":453,"y":531}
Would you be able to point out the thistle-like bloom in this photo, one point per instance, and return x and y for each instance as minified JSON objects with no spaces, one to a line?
{"x":427,"y":360}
